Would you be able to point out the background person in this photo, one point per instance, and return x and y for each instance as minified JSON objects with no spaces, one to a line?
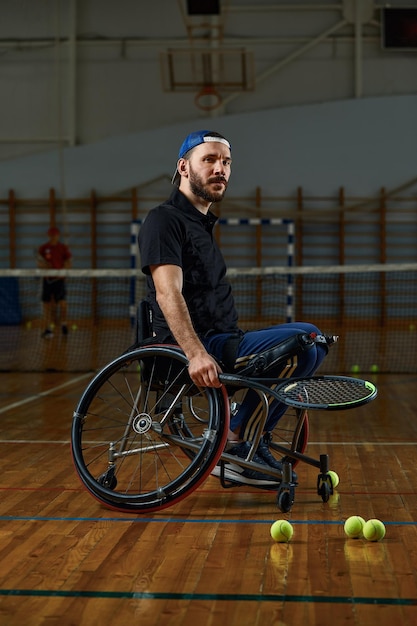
{"x":54,"y":255}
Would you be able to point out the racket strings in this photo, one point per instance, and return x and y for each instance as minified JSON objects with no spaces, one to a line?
{"x":327,"y":391}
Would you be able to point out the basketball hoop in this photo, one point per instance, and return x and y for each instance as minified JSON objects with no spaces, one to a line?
{"x":208,"y":98}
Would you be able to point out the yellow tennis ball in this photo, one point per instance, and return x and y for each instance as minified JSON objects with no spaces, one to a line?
{"x":74,"y":327}
{"x":355,"y":369}
{"x":281,"y":531}
{"x":374,"y":368}
{"x":354,"y":526}
{"x":334,"y":477}
{"x":374,"y":530}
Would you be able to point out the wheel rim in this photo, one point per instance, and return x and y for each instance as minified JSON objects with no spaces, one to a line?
{"x":129,"y":420}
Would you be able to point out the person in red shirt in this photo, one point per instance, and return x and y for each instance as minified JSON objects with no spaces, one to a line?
{"x":54,"y":255}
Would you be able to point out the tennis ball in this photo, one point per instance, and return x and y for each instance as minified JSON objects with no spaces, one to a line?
{"x":28,"y":325}
{"x":412,"y":327}
{"x":334,"y":477}
{"x":281,"y":531}
{"x":374,"y":368}
{"x":374,"y":530}
{"x":354,"y":526}
{"x":355,"y":369}
{"x":74,"y":327}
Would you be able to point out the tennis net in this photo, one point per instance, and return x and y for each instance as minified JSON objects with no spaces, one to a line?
{"x":372,"y":308}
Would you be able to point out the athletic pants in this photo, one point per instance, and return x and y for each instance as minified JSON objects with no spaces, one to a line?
{"x":256,"y":341}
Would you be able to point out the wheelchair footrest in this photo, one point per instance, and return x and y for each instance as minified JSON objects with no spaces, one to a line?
{"x":225,"y":482}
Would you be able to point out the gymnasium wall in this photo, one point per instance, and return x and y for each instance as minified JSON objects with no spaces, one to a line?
{"x":360,"y":144}
{"x":85,"y":103}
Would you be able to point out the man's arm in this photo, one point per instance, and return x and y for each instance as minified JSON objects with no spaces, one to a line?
{"x":41,"y":262}
{"x":168,"y":282}
{"x":67,"y":260}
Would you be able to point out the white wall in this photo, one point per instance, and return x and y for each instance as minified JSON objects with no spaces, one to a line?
{"x":110,"y":84}
{"x":359,"y":144}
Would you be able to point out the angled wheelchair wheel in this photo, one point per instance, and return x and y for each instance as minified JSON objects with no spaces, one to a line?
{"x":290,"y":435}
{"x":143,"y":435}
{"x":289,"y":438}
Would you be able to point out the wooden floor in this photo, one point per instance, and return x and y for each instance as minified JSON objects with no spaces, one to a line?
{"x":66,"y":560}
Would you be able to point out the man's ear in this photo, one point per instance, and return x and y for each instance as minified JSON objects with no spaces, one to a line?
{"x":182,"y":166}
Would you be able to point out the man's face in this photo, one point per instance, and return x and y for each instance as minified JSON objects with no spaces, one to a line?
{"x":53,"y":238}
{"x":209,"y":169}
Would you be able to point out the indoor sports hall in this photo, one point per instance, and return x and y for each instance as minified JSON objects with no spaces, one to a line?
{"x":116,"y":505}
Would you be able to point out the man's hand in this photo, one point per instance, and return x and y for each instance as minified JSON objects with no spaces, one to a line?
{"x":204,"y":371}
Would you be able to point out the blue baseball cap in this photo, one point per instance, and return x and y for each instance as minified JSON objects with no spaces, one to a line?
{"x":195,"y":139}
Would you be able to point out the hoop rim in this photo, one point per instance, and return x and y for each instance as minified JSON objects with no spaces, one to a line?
{"x":208,"y":90}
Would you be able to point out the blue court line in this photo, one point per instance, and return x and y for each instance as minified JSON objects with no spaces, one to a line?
{"x":145,"y":595}
{"x":181,"y":520}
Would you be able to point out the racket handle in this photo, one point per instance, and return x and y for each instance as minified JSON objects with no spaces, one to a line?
{"x":329,"y":340}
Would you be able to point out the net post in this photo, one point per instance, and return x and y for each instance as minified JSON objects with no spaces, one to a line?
{"x":290,"y":263}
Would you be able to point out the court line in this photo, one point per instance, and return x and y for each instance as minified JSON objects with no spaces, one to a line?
{"x":38,"y":441}
{"x":147,"y":595}
{"x":180,"y":520}
{"x":41,"y":394}
{"x":362,"y":443}
{"x":310,"y":443}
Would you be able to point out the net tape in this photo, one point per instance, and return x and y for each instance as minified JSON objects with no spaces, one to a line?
{"x":233,"y":271}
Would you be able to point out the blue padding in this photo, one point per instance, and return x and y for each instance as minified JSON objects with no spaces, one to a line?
{"x":10,"y":313}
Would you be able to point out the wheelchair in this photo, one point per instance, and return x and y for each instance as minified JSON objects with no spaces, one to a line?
{"x":144,"y":436}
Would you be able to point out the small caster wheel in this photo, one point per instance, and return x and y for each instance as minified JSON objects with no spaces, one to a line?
{"x":324,"y":491}
{"x":108,"y":479}
{"x":285,"y":501}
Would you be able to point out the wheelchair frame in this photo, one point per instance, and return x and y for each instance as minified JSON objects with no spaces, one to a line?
{"x":144,"y":436}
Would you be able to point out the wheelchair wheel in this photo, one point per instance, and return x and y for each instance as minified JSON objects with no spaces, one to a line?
{"x":290,"y":433}
{"x":285,"y":500}
{"x":143,"y":435}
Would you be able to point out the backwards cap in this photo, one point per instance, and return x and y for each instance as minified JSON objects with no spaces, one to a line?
{"x":195,"y":139}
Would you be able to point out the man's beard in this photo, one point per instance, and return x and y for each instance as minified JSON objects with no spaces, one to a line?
{"x":198,"y":188}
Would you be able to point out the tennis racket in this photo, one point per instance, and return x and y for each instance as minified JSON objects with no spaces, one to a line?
{"x":326,"y":392}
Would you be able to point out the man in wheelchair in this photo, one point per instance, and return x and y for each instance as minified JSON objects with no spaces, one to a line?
{"x":191,"y":301}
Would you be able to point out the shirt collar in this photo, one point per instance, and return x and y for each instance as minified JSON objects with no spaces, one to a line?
{"x":179,"y":200}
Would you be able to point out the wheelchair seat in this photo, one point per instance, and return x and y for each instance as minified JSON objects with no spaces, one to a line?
{"x":281,"y":355}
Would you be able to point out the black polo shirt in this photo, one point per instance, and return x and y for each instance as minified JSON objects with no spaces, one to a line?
{"x":177,"y":233}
